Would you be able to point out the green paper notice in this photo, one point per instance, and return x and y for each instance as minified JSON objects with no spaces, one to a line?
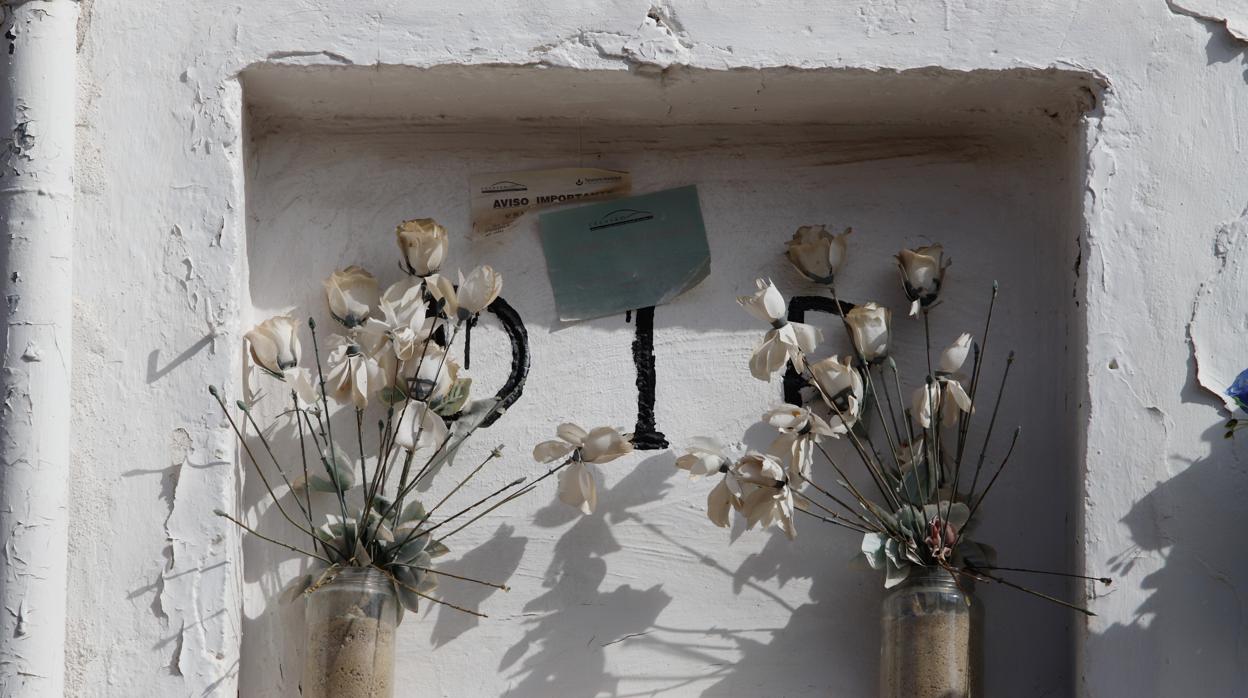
{"x":625,"y":254}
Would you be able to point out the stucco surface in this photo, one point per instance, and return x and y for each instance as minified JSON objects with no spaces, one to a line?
{"x":174,"y":256}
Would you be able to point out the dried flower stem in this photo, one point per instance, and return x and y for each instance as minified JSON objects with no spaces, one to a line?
{"x":327,"y":428}
{"x":836,"y":519}
{"x":529,"y":488}
{"x":1004,"y":461}
{"x":1070,"y":575}
{"x":423,"y":595}
{"x":482,"y":582}
{"x":493,"y":454}
{"x":472,"y":506}
{"x":836,"y":499}
{"x":263,"y":537}
{"x":980,"y":575}
{"x":983,"y":451}
{"x":237,"y":432}
{"x":276,"y":464}
{"x":303,"y":457}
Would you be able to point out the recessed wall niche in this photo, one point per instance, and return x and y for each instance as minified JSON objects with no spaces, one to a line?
{"x":646,"y":596}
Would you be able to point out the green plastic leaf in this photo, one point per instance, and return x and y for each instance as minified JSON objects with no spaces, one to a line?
{"x":406,"y":583}
{"x":316,"y":483}
{"x":437,"y":549}
{"x":405,"y":550}
{"x":454,"y":399}
{"x":338,"y":467}
{"x":414,"y":512}
{"x":382,"y":505}
{"x":392,"y":395}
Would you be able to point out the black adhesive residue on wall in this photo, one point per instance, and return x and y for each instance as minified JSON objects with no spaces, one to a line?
{"x":646,"y":436}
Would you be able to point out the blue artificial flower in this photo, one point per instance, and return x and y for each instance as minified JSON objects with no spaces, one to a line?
{"x":1239,"y":390}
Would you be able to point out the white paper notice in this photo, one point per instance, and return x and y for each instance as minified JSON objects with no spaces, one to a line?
{"x":499,"y":199}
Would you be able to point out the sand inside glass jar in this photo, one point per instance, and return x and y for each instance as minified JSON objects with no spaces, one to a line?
{"x":354,"y":654}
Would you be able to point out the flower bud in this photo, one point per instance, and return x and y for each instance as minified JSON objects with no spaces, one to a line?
{"x":275,"y":344}
{"x":816,"y":253}
{"x":869,"y":323}
{"x":922,"y":272}
{"x":423,"y":244}
{"x":352,"y":294}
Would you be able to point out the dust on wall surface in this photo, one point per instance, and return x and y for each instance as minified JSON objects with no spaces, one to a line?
{"x":156,"y":584}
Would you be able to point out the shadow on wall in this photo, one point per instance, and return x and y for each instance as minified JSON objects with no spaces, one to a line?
{"x":1195,"y":616}
{"x":563,"y":652}
{"x":578,"y":619}
{"x":1222,"y":46}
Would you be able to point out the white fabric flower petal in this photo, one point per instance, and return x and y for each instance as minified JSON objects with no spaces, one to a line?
{"x":420,"y":428}
{"x":571,"y":433}
{"x":766,"y":303}
{"x":603,"y":445}
{"x":551,"y":451}
{"x":275,"y":344}
{"x":352,"y":295}
{"x":952,"y":358}
{"x":479,"y":290}
{"x":720,"y":503}
{"x":577,"y":488}
{"x":441,"y":288}
{"x":769,"y":357}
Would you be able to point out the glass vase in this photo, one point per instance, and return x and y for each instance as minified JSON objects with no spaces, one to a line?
{"x":929,"y":641}
{"x":350,"y":624}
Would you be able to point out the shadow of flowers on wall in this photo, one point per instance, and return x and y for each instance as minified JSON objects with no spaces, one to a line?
{"x":571,"y":625}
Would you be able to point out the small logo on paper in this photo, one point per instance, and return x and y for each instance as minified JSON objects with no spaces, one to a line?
{"x":621,"y":216}
{"x":502,"y":187}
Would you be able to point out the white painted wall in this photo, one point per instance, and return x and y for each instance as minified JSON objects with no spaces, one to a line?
{"x":195,"y":215}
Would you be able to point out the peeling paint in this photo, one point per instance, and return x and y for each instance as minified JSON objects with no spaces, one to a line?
{"x":1219,"y":315}
{"x":1231,"y":14}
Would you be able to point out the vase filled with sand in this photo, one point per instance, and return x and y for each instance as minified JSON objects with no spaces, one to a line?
{"x":929,"y":644}
{"x":351,"y":621}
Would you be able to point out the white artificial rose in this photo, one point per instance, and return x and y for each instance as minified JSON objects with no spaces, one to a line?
{"x":352,"y":295}
{"x":816,"y":253}
{"x":423,"y":244}
{"x":954,"y":356}
{"x":869,"y":325}
{"x":478,"y":290}
{"x":275,"y":344}
{"x":922,"y":272}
